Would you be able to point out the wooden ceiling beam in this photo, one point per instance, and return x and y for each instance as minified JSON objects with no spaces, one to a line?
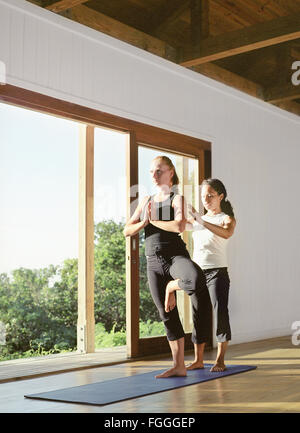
{"x":295,"y":53}
{"x":238,"y":11}
{"x":282,"y":93}
{"x":109,"y":26}
{"x":199,"y":21}
{"x":168,"y":15}
{"x":251,"y":38}
{"x":281,"y":29}
{"x":62,"y":5}
{"x":244,"y":85}
{"x":229,"y":78}
{"x":291,"y":106}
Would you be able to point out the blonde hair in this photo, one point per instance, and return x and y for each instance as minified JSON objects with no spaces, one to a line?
{"x":169,"y":163}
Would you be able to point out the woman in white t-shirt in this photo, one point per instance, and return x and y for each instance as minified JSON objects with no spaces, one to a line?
{"x":210,"y":236}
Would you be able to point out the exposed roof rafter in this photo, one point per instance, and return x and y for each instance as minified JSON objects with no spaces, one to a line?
{"x":288,"y":92}
{"x":250,"y":38}
{"x":295,"y":52}
{"x":199,"y":21}
{"x":231,"y":79}
{"x":62,"y":5}
{"x":118,"y":30}
{"x":169,"y":14}
{"x":155,"y":32}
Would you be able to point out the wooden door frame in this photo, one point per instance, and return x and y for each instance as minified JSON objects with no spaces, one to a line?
{"x":138,"y":133}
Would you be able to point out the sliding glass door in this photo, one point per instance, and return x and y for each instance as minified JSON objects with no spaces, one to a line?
{"x":41,"y":188}
{"x":109,"y":241}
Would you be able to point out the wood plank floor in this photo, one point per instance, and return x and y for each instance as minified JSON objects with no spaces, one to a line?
{"x":23,"y":368}
{"x":273,"y":387}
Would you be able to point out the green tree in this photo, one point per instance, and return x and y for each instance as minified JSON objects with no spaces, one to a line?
{"x":39,"y":306}
{"x":110,"y":275}
{"x":21,"y":307}
{"x":59,"y":301}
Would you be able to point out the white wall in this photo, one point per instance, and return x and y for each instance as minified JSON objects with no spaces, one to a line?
{"x":255,"y":146}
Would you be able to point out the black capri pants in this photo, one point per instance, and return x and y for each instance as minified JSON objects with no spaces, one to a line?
{"x":162,"y":268}
{"x":217,"y":281}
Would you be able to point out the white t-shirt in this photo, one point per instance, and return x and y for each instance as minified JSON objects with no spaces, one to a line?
{"x":209,"y":249}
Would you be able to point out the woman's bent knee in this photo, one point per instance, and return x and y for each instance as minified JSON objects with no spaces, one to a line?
{"x":192,"y":283}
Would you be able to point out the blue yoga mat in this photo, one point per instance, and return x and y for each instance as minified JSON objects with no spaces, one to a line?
{"x":125,"y":388}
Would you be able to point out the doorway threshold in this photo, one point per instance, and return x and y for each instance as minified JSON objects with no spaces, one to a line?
{"x":29,"y":368}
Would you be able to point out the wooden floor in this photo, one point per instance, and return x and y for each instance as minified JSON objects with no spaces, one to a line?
{"x":273,"y":387}
{"x":22,"y":368}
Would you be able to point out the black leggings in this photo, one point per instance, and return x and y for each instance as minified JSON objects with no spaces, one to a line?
{"x":163,"y":268}
{"x":217,"y":281}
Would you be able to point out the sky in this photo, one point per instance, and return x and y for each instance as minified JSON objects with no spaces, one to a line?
{"x":38,"y":189}
{"x":39,"y":185}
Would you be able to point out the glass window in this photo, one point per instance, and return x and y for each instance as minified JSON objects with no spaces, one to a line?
{"x":110,"y":247}
{"x":38,"y":232}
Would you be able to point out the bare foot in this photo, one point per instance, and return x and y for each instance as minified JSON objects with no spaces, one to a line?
{"x":195,"y":365}
{"x":218,"y":367}
{"x":175,"y":371}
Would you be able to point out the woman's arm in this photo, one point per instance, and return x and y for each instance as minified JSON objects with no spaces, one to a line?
{"x":178,"y":224}
{"x":225,"y":231}
{"x":169,"y":226}
{"x":134,"y":224}
{"x":189,"y":225}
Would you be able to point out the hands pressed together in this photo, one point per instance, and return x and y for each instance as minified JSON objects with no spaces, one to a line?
{"x":148,"y":214}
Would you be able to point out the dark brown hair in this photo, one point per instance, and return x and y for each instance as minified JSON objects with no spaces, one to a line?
{"x":219,"y":187}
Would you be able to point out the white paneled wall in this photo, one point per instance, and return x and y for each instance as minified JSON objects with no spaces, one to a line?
{"x":255,"y":147}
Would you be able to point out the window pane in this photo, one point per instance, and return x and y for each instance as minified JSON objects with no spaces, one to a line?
{"x":110,"y":246}
{"x":38,"y":231}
